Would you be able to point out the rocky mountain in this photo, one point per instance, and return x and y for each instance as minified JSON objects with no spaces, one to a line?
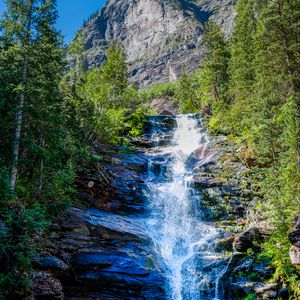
{"x":159,"y":36}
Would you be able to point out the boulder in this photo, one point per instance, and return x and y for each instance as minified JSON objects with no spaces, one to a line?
{"x":245,"y":265}
{"x":200,"y":156}
{"x":166,"y":113}
{"x":52,"y":263}
{"x":246,"y":239}
{"x":266,"y":290}
{"x":295,"y":257}
{"x":164,"y":106}
{"x":45,"y":286}
{"x":205,"y":183}
{"x":261,"y":290}
{"x":296,"y":223}
{"x":224,"y":243}
{"x":294,"y":238}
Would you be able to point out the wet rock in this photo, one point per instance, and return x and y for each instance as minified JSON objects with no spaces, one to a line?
{"x":121,"y":224}
{"x":284,"y":294}
{"x":169,"y":122}
{"x":110,"y":254}
{"x":245,"y":265}
{"x":198,"y":157}
{"x":263,"y":269}
{"x":247,"y":238}
{"x":224,"y":243}
{"x":45,"y":286}
{"x":52,"y":263}
{"x":166,"y":113}
{"x":261,"y":290}
{"x":266,"y":290}
{"x":208,"y":182}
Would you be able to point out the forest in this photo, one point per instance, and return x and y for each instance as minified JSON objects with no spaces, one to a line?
{"x":52,"y":115}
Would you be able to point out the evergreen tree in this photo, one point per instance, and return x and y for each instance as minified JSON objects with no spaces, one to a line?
{"x":242,"y":66}
{"x":31,"y":58}
{"x":32,"y":45}
{"x":18,"y":30}
{"x":186,"y":93}
{"x":115,"y":88}
{"x":215,"y":67}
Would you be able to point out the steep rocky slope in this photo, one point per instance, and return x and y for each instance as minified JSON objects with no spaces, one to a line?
{"x":101,"y":248}
{"x":159,"y":36}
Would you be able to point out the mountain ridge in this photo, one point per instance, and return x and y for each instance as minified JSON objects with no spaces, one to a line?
{"x":159,"y":37}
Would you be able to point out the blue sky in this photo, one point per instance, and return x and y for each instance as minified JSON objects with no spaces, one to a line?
{"x":72,"y":13}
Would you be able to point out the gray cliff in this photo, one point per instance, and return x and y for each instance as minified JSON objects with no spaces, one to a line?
{"x":159,"y":36}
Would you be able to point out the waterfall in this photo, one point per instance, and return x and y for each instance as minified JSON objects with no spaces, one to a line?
{"x":177,"y":231}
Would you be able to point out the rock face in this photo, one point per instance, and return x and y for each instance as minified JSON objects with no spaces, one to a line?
{"x":159,"y":36}
{"x":294,"y":238}
{"x":101,"y":248}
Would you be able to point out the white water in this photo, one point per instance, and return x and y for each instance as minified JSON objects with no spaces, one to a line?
{"x":176,"y":230}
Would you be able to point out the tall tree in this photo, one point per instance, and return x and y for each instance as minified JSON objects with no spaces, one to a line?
{"x":242,"y":65}
{"x":32,"y":45}
{"x":31,"y":64}
{"x":18,"y":28}
{"x":215,"y":65}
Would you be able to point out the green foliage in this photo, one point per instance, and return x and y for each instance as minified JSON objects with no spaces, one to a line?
{"x":136,"y":122}
{"x":20,"y":228}
{"x":166,"y":89}
{"x":215,"y":68}
{"x":101,"y":101}
{"x":186,"y":93}
{"x":252,"y":84}
{"x":29,"y":42}
{"x":250,"y":297}
{"x":19,"y":243}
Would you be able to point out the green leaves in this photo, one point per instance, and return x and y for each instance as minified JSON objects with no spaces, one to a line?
{"x":251,"y":85}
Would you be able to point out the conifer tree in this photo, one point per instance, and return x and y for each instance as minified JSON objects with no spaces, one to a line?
{"x":185,"y":94}
{"x":242,"y":65}
{"x":31,"y":58}
{"x":18,"y":31}
{"x":31,"y":43}
{"x":215,"y":67}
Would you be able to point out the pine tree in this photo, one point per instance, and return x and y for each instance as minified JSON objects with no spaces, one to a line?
{"x":114,"y":75}
{"x":214,"y":77}
{"x":186,"y":93}
{"x":215,"y":65}
{"x":31,"y":58}
{"x":31,"y":44}
{"x":18,"y":25}
{"x":242,"y":66}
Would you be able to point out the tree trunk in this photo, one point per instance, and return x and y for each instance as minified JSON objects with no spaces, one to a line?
{"x":40,"y":187}
{"x":21,"y":103}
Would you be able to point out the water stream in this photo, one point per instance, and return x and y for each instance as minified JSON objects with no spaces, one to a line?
{"x":180,"y":237}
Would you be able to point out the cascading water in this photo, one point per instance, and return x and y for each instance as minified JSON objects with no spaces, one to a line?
{"x":177,"y":231}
